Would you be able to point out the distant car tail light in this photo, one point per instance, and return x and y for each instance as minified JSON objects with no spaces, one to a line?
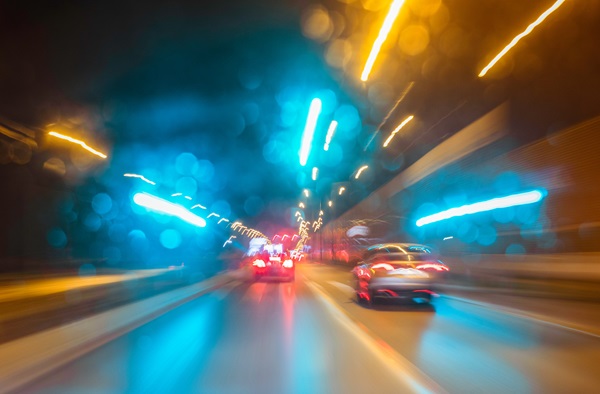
{"x":288,"y":264}
{"x":259,"y":263}
{"x":431,"y":266}
{"x":385,"y":266}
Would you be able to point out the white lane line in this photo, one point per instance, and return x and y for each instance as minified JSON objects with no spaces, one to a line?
{"x":342,"y":287}
{"x":405,"y":371}
{"x":520,"y":314}
{"x":224,"y":291}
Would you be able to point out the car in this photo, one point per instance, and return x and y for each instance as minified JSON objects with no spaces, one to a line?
{"x":398,"y":271}
{"x":278,"y":265}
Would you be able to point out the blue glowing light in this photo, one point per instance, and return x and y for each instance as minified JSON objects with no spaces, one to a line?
{"x":529,"y":197}
{"x":309,"y":130}
{"x":156,"y":204}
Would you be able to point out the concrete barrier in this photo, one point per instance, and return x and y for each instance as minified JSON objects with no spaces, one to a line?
{"x":34,"y":356}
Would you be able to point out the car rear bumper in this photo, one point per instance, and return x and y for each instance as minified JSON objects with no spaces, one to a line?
{"x":275,"y":272}
{"x":402,"y":288}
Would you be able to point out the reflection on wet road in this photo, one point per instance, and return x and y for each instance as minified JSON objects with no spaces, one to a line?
{"x":310,"y":337}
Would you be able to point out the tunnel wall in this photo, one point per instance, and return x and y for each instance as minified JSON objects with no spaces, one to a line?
{"x":564,"y":165}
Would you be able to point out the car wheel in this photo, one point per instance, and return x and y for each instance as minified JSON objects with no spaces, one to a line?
{"x":361,"y":300}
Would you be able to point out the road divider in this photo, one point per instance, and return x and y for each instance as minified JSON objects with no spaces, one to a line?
{"x":34,"y":356}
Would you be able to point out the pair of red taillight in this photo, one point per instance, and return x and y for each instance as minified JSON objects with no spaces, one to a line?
{"x":261,"y":264}
{"x":429,"y":266}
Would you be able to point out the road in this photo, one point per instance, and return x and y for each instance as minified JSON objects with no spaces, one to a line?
{"x":310,"y":337}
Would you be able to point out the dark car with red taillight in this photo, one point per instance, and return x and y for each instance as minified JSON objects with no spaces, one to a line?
{"x":276,"y":265}
{"x":398,"y":271}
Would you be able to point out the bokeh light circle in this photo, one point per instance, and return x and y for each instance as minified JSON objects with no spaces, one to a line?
{"x":185,"y":163}
{"x":102,"y":203}
{"x":57,"y":238}
{"x":170,"y":238}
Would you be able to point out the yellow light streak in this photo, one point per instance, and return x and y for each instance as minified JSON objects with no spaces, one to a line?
{"x":143,"y":178}
{"x":330,"y":203}
{"x":306,"y":192}
{"x":342,"y":189}
{"x":383,"y":33}
{"x":388,"y":140}
{"x":315,"y":173}
{"x":360,"y":171}
{"x":321,"y":213}
{"x":397,"y":129}
{"x":213,"y":214}
{"x":222,"y":220}
{"x":301,"y":205}
{"x":515,"y":40}
{"x":78,"y":142}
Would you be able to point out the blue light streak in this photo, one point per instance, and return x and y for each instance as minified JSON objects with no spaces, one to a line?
{"x":157,"y":204}
{"x":525,"y":198}
{"x":309,"y":130}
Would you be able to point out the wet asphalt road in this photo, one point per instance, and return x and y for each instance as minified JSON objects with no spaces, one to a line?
{"x":309,"y":336}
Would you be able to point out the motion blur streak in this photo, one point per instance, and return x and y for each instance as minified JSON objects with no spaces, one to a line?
{"x":198,"y":206}
{"x":315,"y":173}
{"x":360,"y":171}
{"x":515,"y":40}
{"x":306,"y":192}
{"x":213,"y":214}
{"x":396,"y":130}
{"x":390,"y":112}
{"x":78,"y":142}
{"x":301,"y":205}
{"x":330,"y":133}
{"x":341,"y":191}
{"x":159,"y":205}
{"x":143,"y":178}
{"x":495,"y":203}
{"x":222,"y":220}
{"x":309,"y":130}
{"x":383,"y":33}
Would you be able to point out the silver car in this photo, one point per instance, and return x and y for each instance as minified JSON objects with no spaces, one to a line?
{"x":398,"y":271}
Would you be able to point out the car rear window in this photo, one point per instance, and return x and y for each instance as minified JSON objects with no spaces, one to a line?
{"x":418,"y":249}
{"x":403,"y":257}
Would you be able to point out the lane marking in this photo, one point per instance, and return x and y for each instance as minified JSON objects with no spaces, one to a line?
{"x":400,"y":367}
{"x":342,"y":287}
{"x":224,"y":291}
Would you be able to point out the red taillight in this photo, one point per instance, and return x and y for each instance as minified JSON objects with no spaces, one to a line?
{"x":288,"y":264}
{"x":432,"y":267}
{"x":259,"y":263}
{"x":385,"y":266}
